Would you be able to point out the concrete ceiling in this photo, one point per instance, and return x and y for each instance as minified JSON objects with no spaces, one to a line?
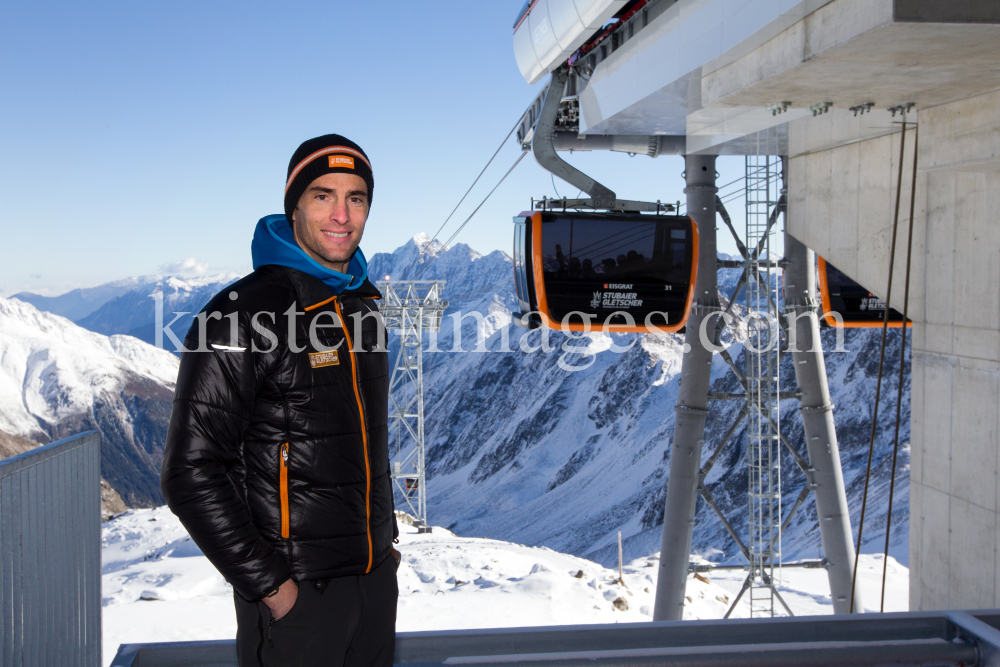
{"x":928,"y":64}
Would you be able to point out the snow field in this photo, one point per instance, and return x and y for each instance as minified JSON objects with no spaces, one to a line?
{"x":157,"y":586}
{"x":52,"y":369}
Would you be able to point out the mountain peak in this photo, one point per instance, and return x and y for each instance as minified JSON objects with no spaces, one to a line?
{"x":178,"y":283}
{"x":58,"y":378}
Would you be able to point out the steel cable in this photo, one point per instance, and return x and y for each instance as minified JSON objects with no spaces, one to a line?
{"x":732,"y":196}
{"x":462,"y":226}
{"x":497,"y":152}
{"x":881,"y":361}
{"x":902,"y":359}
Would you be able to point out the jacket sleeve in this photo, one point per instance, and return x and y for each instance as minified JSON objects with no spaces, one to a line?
{"x":212,"y":407}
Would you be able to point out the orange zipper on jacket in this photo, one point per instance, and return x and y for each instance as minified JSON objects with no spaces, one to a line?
{"x":285,"y":531}
{"x":364,"y":434}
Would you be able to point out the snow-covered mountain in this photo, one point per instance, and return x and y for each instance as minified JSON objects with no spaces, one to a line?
{"x":79,"y":303}
{"x":128,"y":306}
{"x":57,"y":379}
{"x":565,"y":448}
{"x":134,"y":312}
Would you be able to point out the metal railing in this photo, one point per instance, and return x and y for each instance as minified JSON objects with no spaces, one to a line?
{"x":50,"y":554}
{"x":937,"y":638}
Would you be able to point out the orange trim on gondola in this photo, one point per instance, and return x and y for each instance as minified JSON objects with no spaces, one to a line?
{"x":824,"y":295}
{"x":543,"y":303}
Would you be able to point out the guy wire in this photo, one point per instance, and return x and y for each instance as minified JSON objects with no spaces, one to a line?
{"x":881,"y":360}
{"x":902,"y":359}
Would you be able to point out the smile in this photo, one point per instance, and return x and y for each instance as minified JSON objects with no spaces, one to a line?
{"x":338,"y":235}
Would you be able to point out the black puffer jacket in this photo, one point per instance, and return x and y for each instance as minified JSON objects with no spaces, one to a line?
{"x":276,"y":458}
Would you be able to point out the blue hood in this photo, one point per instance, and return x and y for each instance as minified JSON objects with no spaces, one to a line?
{"x":274,"y":243}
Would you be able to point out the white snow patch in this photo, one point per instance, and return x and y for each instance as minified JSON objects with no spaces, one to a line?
{"x":51,"y":368}
{"x":159,"y":587}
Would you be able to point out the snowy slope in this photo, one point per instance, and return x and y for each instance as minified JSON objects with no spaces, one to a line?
{"x":57,"y":379}
{"x":564,"y":448}
{"x":158,"y":587}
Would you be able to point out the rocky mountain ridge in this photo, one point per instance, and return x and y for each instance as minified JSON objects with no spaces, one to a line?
{"x":547,"y":439}
{"x":564,"y":448}
{"x":57,"y":379}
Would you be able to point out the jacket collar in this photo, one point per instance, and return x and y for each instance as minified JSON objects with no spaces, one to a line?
{"x":313,"y":292}
{"x":274,"y":244}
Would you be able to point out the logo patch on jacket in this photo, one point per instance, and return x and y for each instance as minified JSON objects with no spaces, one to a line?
{"x":341,"y":161}
{"x":321,"y":359}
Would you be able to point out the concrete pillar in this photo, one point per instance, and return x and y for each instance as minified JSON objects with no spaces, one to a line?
{"x":825,"y":473}
{"x":692,"y":400}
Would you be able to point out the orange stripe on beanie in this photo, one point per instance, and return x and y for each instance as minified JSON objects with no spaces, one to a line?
{"x":328,"y":154}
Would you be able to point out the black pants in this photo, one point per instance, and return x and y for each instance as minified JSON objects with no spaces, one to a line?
{"x":340,"y":622}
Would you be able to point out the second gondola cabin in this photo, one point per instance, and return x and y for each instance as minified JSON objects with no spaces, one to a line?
{"x":856,"y":306}
{"x":616,"y":272}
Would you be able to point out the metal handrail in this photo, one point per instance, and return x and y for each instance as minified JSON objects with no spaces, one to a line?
{"x":938,"y":637}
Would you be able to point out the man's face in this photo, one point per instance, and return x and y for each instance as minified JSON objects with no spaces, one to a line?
{"x":330,"y":219}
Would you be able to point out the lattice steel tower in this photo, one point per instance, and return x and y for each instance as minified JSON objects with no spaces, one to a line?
{"x":411,"y":307}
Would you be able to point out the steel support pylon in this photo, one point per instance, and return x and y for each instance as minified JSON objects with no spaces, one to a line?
{"x":760,"y":379}
{"x":824,"y":475}
{"x":411,"y":307}
{"x":692,"y":399}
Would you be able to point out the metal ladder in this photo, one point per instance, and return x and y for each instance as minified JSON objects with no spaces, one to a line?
{"x":762,"y":385}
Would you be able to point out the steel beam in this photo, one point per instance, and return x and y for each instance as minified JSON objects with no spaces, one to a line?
{"x":545,"y":151}
{"x":692,"y":400}
{"x":653,"y":146}
{"x":914,"y":638}
{"x":817,"y":420}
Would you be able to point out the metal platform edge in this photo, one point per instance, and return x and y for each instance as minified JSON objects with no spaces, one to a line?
{"x":860,"y":637}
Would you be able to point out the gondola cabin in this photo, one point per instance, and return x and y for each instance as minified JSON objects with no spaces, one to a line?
{"x":857,"y":306}
{"x":616,"y":272}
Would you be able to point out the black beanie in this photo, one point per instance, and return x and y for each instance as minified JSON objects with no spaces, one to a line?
{"x":329,"y":154}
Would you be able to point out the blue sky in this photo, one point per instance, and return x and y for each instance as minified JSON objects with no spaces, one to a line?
{"x":135,"y":136}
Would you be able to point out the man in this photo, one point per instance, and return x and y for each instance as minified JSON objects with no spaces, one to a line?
{"x":276,"y":458}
